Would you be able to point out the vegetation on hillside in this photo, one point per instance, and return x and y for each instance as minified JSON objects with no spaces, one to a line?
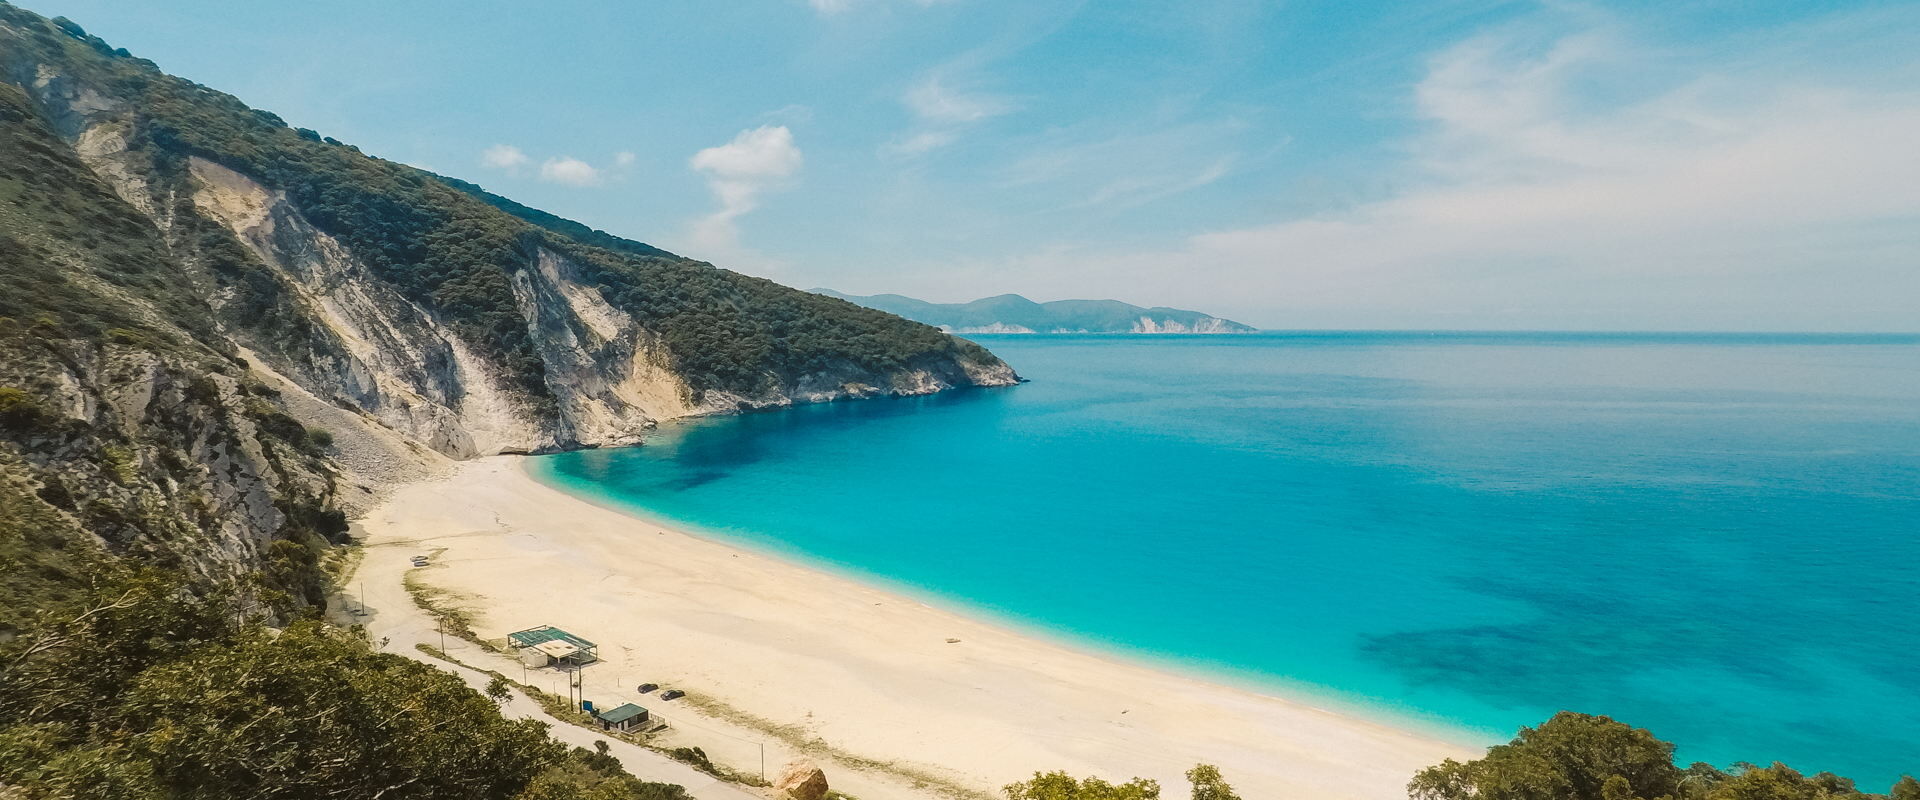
{"x":454,"y":249}
{"x":144,"y":684}
{"x":71,"y":254}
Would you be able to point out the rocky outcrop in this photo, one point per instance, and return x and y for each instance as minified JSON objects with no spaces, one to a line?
{"x":801,"y":780}
{"x":220,"y":331}
{"x":365,"y":346}
{"x":158,"y":456}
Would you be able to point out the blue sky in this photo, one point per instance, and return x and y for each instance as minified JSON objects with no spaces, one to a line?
{"x":1712,"y":165}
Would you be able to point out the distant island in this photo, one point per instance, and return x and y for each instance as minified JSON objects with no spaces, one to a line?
{"x":1011,"y":313}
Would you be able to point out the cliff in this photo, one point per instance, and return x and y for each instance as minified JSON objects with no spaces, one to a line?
{"x":1011,"y":313}
{"x":220,"y":330}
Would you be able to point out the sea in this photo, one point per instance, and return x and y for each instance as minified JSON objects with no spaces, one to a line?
{"x":1712,"y":536}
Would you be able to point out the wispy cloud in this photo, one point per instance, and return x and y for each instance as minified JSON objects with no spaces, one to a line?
{"x":502,"y":156}
{"x":1141,"y":162}
{"x":935,"y":102}
{"x":941,"y":112}
{"x":1577,"y":176}
{"x":738,"y":173}
{"x":836,"y":7}
{"x":624,"y":159}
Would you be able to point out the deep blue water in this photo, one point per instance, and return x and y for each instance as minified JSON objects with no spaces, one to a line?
{"x":1716,"y":537}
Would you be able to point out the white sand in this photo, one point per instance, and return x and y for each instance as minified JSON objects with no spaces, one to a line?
{"x":867,"y":671}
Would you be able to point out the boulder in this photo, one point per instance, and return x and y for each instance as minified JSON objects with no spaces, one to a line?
{"x":801,"y":780}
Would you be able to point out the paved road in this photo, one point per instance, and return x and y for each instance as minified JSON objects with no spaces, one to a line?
{"x":396,"y":625}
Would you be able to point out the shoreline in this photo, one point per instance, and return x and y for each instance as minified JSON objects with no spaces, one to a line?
{"x":1223,"y":677}
{"x":868,"y":668}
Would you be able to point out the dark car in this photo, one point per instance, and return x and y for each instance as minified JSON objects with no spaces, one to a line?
{"x":672,"y":694}
{"x":648,"y":687}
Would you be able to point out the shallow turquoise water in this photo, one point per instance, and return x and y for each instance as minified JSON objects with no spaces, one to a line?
{"x":1716,"y":537}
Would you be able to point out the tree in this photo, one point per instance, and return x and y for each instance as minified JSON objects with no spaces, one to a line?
{"x":1570,"y":757}
{"x":1905,"y":789}
{"x":1206,"y":780}
{"x":589,"y":775}
{"x":1061,"y":786}
{"x":312,"y":712}
{"x":1208,"y":785}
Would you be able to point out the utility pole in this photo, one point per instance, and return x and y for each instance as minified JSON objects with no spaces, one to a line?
{"x":443,"y":633}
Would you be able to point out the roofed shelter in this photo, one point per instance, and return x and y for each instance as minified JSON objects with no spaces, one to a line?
{"x":625,"y":717}
{"x":551,"y":646}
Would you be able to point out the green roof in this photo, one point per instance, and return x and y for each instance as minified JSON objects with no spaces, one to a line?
{"x":623,"y":713}
{"x":544,"y":634}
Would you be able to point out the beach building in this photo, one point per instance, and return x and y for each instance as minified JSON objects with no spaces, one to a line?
{"x":624,"y":717}
{"x":549,"y":646}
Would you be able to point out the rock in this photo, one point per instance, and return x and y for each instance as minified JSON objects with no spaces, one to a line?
{"x":801,"y":780}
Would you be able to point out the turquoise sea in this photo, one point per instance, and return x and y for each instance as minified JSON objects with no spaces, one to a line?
{"x":1713,"y":536}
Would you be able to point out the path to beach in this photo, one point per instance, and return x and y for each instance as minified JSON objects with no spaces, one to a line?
{"x":874,"y":675}
{"x":397,"y":625}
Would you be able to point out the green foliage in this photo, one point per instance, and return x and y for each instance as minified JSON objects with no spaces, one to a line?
{"x":1581,"y":757}
{"x":72,"y":252}
{"x":587,"y":775}
{"x":1061,"y":786}
{"x":1569,"y":757}
{"x":42,"y":555}
{"x":1208,"y":785}
{"x":145,"y":686}
{"x":311,"y":713}
{"x":455,"y":249}
{"x":1205,"y":779}
{"x":695,"y":757}
{"x":22,"y":411}
{"x":1779,"y":782}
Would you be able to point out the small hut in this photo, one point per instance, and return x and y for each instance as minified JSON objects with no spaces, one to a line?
{"x":624,"y":717}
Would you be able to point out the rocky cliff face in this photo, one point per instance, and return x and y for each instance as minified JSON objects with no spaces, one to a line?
{"x":230,"y":328}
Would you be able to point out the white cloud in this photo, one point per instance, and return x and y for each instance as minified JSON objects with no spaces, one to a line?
{"x":935,"y":102}
{"x":502,"y":156}
{"x":623,"y":159}
{"x":570,"y":171}
{"x":1580,"y":180}
{"x":941,"y":113}
{"x":757,"y":153}
{"x":834,"y":7}
{"x":921,"y":142}
{"x":738,"y":172}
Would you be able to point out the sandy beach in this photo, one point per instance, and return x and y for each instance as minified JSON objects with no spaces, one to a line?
{"x":875,"y":676}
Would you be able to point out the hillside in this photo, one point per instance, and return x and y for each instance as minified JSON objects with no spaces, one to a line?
{"x":220,"y":335}
{"x":1011,"y":313}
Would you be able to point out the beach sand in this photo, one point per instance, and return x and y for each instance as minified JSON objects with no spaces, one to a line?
{"x":869,"y":672}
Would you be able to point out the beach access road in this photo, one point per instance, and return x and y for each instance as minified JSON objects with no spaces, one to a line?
{"x":378,"y":599}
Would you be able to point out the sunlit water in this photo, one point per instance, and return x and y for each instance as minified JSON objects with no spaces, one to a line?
{"x":1714,"y":537}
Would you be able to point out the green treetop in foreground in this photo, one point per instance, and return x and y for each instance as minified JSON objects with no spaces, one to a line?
{"x":1583,"y":757}
{"x":143,"y":685}
{"x":1570,"y":757}
{"x":1206,"y":780}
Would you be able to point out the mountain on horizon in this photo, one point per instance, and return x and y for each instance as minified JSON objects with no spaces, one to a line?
{"x":1012,"y":313}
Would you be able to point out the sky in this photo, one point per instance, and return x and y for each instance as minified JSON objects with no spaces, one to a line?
{"x":1454,"y":164}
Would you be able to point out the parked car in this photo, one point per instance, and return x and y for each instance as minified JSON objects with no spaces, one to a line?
{"x":648,"y":687}
{"x":672,"y":694}
{"x":419,"y":561}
